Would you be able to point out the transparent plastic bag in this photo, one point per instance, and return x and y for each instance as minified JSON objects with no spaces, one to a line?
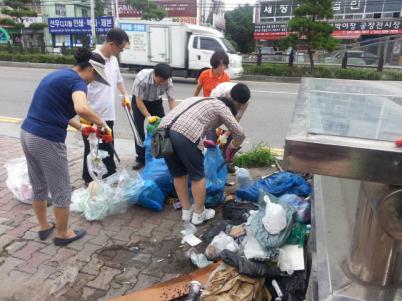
{"x":103,"y":197}
{"x":96,"y":167}
{"x":221,"y":242}
{"x":18,"y":181}
{"x":243,"y":177}
{"x":301,"y":206}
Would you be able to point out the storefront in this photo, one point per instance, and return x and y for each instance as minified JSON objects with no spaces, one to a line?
{"x":353,"y":19}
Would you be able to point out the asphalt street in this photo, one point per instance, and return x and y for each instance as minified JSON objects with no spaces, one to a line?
{"x":266,"y":120}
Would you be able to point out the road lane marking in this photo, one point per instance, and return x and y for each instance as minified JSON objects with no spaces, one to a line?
{"x":274,"y":92}
{"x":6,"y":119}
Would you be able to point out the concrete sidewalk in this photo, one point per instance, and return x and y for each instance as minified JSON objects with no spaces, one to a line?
{"x":121,"y":254}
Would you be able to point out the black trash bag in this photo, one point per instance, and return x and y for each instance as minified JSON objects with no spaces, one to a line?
{"x":249,"y":268}
{"x":294,"y":287}
{"x":237,"y":212}
{"x":214,"y":230}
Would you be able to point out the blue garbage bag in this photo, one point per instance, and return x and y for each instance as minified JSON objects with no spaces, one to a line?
{"x":157,"y":182}
{"x":216,"y":175}
{"x":277,"y":184}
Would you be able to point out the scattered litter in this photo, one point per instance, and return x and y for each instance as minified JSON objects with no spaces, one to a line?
{"x":192,"y":240}
{"x":198,"y":259}
{"x":301,"y":205}
{"x":274,"y":219}
{"x":221,"y":242}
{"x":215,"y":178}
{"x":295,"y":255}
{"x":195,"y":291}
{"x":160,"y":260}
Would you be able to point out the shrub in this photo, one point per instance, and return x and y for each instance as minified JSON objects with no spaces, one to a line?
{"x":259,"y":156}
{"x":37,"y":58}
{"x":321,"y":71}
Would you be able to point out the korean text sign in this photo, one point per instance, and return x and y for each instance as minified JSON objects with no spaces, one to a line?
{"x":79,"y":25}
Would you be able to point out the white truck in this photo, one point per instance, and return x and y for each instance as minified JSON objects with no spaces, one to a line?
{"x":186,"y":48}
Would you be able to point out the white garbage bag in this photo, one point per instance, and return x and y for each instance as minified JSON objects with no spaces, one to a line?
{"x":18,"y":180}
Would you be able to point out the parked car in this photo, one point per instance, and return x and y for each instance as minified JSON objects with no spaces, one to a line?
{"x":355,"y":57}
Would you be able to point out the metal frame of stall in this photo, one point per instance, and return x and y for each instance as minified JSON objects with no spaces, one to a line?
{"x":343,"y":132}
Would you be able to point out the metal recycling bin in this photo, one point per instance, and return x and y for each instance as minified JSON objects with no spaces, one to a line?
{"x":343,"y":132}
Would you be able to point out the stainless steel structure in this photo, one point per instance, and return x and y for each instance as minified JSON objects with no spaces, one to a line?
{"x":343,"y":131}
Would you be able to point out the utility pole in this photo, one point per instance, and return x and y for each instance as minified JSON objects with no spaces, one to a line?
{"x":93,"y":23}
{"x":117,"y":12}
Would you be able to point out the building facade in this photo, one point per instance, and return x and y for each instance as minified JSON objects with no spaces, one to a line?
{"x":353,"y":19}
{"x":200,"y":12}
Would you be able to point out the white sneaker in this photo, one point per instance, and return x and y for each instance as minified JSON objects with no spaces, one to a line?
{"x":186,"y":214}
{"x":199,"y":218}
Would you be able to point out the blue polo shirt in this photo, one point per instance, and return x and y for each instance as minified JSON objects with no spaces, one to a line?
{"x":52,"y":105}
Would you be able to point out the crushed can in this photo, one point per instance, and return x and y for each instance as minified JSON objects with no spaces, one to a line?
{"x":195,"y":291}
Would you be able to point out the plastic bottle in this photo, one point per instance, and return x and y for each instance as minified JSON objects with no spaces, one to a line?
{"x":243,"y":177}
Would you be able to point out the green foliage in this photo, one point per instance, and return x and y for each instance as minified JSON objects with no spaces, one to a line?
{"x":310,"y":29}
{"x":321,"y":71}
{"x":100,"y":7}
{"x":240,"y":28}
{"x":259,"y":156}
{"x":37,"y":58}
{"x":37,"y":26}
{"x":150,"y":10}
{"x":18,"y":9}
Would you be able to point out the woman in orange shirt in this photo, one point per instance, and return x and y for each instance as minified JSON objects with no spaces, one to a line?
{"x":210,"y":78}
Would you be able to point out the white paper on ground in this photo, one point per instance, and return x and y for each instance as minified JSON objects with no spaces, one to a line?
{"x":296,"y":256}
{"x":192,"y":240}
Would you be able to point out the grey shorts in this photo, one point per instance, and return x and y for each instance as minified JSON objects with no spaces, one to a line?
{"x":47,"y":169}
{"x":187,"y":158}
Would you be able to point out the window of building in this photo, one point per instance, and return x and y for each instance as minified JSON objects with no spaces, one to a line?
{"x":396,"y":14}
{"x":210,"y":44}
{"x":61,"y":10}
{"x":377,"y":16}
{"x":85,"y":12}
{"x":338,"y":17}
{"x":357,"y":16}
{"x":369,"y":16}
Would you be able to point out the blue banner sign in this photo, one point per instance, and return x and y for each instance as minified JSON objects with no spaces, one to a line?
{"x":137,"y":27}
{"x":79,"y":25}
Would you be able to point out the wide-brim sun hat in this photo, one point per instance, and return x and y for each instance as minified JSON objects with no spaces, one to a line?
{"x":100,"y":70}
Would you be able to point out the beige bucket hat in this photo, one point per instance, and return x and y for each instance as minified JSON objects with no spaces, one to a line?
{"x":100,"y":69}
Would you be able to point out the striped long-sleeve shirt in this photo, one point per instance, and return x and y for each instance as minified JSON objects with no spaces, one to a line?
{"x":203,"y":117}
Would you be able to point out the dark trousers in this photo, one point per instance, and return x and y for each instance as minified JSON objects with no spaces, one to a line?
{"x":155,"y":108}
{"x":109,"y":161}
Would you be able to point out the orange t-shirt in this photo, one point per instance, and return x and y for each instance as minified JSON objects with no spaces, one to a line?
{"x":209,"y":81}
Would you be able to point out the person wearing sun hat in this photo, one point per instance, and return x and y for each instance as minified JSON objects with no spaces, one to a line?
{"x":60,"y":96}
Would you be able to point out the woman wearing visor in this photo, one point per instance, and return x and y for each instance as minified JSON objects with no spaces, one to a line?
{"x":59,"y":97}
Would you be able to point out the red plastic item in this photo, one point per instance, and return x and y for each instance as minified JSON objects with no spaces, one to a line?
{"x":87,"y":130}
{"x":398,"y":142}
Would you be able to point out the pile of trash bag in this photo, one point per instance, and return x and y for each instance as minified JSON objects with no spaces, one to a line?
{"x":277,"y":184}
{"x":156,"y":182}
{"x":102,"y":197}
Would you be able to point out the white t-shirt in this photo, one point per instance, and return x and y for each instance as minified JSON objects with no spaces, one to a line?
{"x":101,"y":98}
{"x":223,"y":90}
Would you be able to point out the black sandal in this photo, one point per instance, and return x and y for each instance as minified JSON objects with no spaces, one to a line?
{"x":43,"y":234}
{"x":66,"y":241}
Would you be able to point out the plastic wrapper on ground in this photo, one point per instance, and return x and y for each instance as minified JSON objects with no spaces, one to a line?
{"x":221,"y":242}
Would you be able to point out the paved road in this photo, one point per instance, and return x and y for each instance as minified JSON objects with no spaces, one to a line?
{"x":266,"y":120}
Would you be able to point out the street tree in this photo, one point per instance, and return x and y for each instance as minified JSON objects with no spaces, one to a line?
{"x":17,"y":9}
{"x":150,"y":10}
{"x":310,"y":28}
{"x":240,"y":28}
